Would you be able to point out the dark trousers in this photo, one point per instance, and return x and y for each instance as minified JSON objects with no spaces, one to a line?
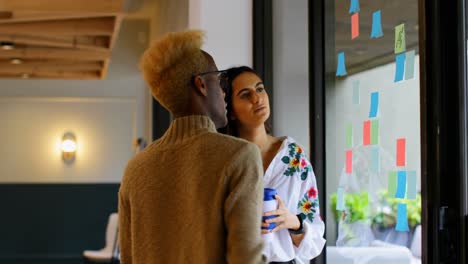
{"x":284,"y":262}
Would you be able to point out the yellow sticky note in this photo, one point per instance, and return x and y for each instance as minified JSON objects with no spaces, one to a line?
{"x":400,"y":42}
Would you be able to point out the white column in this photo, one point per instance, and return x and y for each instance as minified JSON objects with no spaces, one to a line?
{"x":228,"y":27}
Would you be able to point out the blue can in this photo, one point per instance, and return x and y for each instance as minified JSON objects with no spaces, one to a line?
{"x":269,"y":204}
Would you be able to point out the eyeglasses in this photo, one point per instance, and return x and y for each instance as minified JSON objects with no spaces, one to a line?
{"x":222,"y":78}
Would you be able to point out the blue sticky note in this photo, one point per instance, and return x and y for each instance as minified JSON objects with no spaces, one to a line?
{"x":409,"y":65}
{"x":376,"y":25}
{"x":374,"y":106}
{"x":401,"y":185}
{"x":402,"y":218}
{"x":375,"y":159}
{"x":400,"y":67}
{"x":340,"y":201}
{"x":411,"y":182}
{"x":356,"y":92}
{"x":341,"y":67}
{"x":354,"y":6}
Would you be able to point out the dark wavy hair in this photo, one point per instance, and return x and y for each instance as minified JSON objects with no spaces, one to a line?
{"x":231,"y":75}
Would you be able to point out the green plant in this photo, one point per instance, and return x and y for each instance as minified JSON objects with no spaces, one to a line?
{"x":387,"y":213}
{"x":357,"y":207}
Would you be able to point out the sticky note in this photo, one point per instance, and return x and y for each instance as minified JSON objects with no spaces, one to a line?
{"x":402,"y":218}
{"x":375,"y":159}
{"x":354,"y":6}
{"x":409,"y":65}
{"x":349,"y":136}
{"x":366,"y":131}
{"x":392,"y":183}
{"x":374,"y":105}
{"x":400,"y":42}
{"x":401,"y":152}
{"x":400,"y":67}
{"x":356,"y":92}
{"x":340,"y":201}
{"x":376,"y":25}
{"x":341,"y":67}
{"x":401,"y":185}
{"x":349,"y":161}
{"x":354,"y":25}
{"x":374,"y":132}
{"x":411,"y":182}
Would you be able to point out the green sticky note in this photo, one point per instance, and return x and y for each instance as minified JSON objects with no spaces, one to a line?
{"x":400,"y":41}
{"x":392,"y":183}
{"x":374,"y":132}
{"x":349,"y":136}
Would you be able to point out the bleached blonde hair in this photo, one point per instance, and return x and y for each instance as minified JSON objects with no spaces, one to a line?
{"x":169,"y":65}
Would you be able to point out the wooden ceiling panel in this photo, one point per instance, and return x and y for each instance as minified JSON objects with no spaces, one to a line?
{"x":86,"y":43}
{"x":8,"y":17}
{"x":77,"y":6}
{"x":54,"y":53}
{"x":31,"y":67}
{"x":54,"y":75}
{"x":58,"y":39}
{"x":84,"y":26}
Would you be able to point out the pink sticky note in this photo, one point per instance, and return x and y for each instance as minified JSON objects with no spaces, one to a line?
{"x":349,"y":161}
{"x":354,"y":25}
{"x":401,"y":152}
{"x":366,"y":133}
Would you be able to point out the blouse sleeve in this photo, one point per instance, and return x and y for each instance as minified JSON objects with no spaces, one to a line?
{"x":308,"y":209}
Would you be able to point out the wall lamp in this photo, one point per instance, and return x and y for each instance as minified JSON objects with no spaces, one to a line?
{"x":68,"y":147}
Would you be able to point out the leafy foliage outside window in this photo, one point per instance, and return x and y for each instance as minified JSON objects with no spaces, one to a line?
{"x":357,"y":209}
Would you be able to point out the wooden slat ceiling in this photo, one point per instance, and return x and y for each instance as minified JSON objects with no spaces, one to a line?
{"x":58,"y":39}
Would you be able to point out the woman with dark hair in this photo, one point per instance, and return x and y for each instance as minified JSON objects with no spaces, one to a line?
{"x":299,"y":230}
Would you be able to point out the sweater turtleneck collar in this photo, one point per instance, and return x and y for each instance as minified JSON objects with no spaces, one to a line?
{"x":186,"y":127}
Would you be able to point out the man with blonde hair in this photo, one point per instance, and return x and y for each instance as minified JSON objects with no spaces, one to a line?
{"x":192,"y":196}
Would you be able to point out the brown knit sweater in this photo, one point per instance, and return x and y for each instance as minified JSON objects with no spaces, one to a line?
{"x":193,"y":196}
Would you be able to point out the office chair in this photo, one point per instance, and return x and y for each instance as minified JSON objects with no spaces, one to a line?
{"x":110,"y":253}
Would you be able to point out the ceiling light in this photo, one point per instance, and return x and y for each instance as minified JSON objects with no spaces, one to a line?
{"x":16,"y":61}
{"x":7,"y":45}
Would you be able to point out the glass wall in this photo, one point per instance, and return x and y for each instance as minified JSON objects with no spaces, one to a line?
{"x":373,"y":149}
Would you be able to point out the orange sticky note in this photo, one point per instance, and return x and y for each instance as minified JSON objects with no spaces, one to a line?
{"x":349,"y":161}
{"x":354,"y":25}
{"x":401,"y":152}
{"x":366,"y":133}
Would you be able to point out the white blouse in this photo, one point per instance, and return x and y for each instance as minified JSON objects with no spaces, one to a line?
{"x":291,"y":174}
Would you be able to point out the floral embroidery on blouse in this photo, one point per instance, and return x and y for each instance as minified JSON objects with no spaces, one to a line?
{"x":308,"y":204}
{"x":296,"y":161}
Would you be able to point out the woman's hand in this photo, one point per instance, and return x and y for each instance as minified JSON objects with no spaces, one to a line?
{"x":283,"y":219}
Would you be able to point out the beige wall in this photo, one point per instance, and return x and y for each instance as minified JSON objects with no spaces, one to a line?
{"x":33,"y":129}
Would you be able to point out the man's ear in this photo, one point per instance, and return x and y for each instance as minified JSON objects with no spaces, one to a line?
{"x":200,"y":85}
